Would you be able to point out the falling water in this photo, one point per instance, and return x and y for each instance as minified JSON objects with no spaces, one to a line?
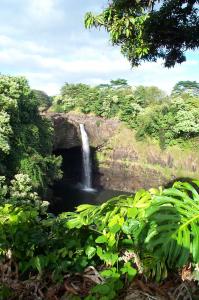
{"x":86,"y":158}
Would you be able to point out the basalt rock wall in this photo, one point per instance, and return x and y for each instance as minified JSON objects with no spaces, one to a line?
{"x":122,"y":162}
{"x":67,"y":132}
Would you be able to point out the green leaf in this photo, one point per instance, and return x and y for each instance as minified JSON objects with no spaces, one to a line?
{"x":107,"y":273}
{"x":195,"y":242}
{"x":127,"y":242}
{"x":101,"y":239}
{"x":130,"y":226}
{"x":102,"y":289}
{"x":129,"y":270}
{"x":110,"y":273}
{"x":75,"y":223}
{"x":127,"y":32}
{"x":83,"y":207}
{"x":115,"y":228}
{"x":132,"y":212}
{"x":90,"y":251}
{"x":39,"y":262}
{"x":173,"y":220}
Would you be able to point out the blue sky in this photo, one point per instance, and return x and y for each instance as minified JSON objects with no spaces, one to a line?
{"x":45,"y":41}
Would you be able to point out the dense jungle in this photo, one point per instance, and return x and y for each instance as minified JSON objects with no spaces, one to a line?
{"x":136,"y":244}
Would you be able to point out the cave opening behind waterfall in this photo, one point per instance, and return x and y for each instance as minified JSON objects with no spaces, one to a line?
{"x":72,"y":164}
{"x":68,"y":193}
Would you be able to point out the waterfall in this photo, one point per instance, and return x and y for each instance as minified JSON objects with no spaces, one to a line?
{"x":86,"y":158}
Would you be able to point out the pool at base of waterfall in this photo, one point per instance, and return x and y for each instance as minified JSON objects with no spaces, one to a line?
{"x":67,"y":193}
{"x":67,"y":196}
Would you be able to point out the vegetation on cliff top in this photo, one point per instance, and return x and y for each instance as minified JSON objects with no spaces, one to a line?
{"x":169,"y":119}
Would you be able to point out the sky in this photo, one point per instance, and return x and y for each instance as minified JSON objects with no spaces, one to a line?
{"x":45,"y":41}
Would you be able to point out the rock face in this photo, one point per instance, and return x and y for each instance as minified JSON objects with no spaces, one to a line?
{"x":121,"y":162}
{"x":67,"y":132}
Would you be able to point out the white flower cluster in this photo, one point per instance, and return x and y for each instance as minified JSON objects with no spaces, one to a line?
{"x":21,"y":192}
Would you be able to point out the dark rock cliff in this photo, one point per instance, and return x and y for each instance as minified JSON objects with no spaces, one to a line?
{"x":121,"y":162}
{"x":67,"y":133}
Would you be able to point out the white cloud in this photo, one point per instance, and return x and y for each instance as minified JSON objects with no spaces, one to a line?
{"x":24,"y":46}
{"x":89,"y":59}
{"x":156,"y":74}
{"x":41,"y":8}
{"x":37,"y":75}
{"x":5,"y":40}
{"x":85,"y":65}
{"x":11,"y":56}
{"x":46,"y":41}
{"x":92,"y":66}
{"x":51,"y":88}
{"x":44,"y":13}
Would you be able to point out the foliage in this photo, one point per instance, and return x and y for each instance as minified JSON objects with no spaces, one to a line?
{"x":169,"y":119}
{"x":104,"y":101}
{"x":25,"y":137}
{"x":174,"y":224}
{"x":108,"y":290}
{"x":160,"y":224}
{"x":148,"y":30}
{"x":188,"y":87}
{"x":20,"y":193}
{"x":5,"y":132}
{"x":44,"y":101}
{"x":116,"y":99}
{"x":118,"y":83}
{"x":151,"y":232}
{"x":149,"y":95}
{"x":171,"y":122}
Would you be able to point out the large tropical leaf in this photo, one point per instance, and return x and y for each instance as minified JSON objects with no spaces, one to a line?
{"x":173,"y":224}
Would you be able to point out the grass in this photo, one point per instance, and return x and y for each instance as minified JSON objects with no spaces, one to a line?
{"x":177,"y":160}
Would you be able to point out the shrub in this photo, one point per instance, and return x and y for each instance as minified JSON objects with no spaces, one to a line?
{"x":25,"y":137}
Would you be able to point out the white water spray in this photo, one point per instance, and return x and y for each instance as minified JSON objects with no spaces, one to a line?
{"x":86,"y":159}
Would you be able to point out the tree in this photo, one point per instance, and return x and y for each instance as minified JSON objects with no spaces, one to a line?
{"x":119,"y":83}
{"x":146,"y":95}
{"x":175,"y":120}
{"x":188,"y":87}
{"x":150,"y":29}
{"x":44,"y":101}
{"x":103,"y":86}
{"x":25,"y":137}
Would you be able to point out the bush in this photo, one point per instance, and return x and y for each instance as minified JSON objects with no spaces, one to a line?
{"x":25,"y":137}
{"x":170,"y":122}
{"x":148,"y":110}
{"x":151,"y":233}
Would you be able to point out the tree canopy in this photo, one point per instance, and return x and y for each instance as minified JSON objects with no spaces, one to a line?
{"x":119,"y":83}
{"x":145,"y":109}
{"x":44,"y":101}
{"x":188,"y":87}
{"x":148,"y":30}
{"x":25,"y":137}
